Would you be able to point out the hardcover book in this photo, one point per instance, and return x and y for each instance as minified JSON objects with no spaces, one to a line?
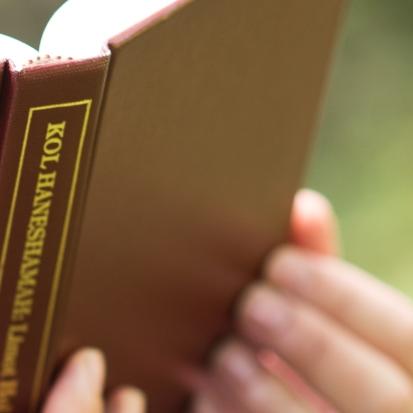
{"x":150,"y":152}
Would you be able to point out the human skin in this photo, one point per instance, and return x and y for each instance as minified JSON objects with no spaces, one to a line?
{"x":315,"y":334}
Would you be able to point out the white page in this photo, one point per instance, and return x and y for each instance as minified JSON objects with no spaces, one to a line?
{"x":17,"y":50}
{"x":81,"y":28}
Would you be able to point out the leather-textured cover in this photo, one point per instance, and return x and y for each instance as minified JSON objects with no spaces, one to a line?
{"x":206,"y":125}
{"x":47,"y":144}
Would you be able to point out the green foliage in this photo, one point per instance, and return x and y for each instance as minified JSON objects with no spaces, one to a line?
{"x":363,"y":158}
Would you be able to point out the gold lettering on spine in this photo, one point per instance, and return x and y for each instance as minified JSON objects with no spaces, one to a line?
{"x":30,"y":264}
{"x":8,"y":390}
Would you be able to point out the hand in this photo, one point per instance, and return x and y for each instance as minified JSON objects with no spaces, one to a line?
{"x":316,"y":334}
{"x":79,"y":389}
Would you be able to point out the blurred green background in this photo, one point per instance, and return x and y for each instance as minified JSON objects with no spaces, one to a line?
{"x":363,"y":157}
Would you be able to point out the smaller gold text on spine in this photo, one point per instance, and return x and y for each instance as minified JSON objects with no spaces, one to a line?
{"x":30,"y":264}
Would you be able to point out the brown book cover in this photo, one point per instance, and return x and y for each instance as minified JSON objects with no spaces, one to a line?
{"x":141,"y":189}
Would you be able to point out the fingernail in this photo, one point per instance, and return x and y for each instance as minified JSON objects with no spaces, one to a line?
{"x":203,"y":404}
{"x":289,"y":268}
{"x":237,"y":364}
{"x":86,"y":371}
{"x":314,"y":204}
{"x":265,"y":315}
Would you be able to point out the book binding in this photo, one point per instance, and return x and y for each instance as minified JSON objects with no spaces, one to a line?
{"x":46,"y":154}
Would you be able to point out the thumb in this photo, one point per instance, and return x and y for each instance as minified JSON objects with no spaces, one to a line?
{"x":79,"y":388}
{"x":314,"y":224}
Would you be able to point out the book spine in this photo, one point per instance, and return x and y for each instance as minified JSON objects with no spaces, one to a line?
{"x":47,"y":151}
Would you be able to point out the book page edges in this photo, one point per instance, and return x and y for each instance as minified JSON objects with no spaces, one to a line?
{"x":25,"y":58}
{"x":48,"y":61}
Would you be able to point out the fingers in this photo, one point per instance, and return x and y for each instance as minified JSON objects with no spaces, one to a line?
{"x":79,"y":389}
{"x":126,"y":400}
{"x":379,"y":314}
{"x":350,"y":373}
{"x":313,"y":223}
{"x":252,"y":389}
{"x":277,"y":367}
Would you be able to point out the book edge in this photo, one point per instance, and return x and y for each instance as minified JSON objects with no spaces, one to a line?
{"x":134,"y":31}
{"x":16,"y":78}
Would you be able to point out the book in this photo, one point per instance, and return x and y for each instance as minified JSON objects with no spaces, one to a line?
{"x":150,"y":152}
